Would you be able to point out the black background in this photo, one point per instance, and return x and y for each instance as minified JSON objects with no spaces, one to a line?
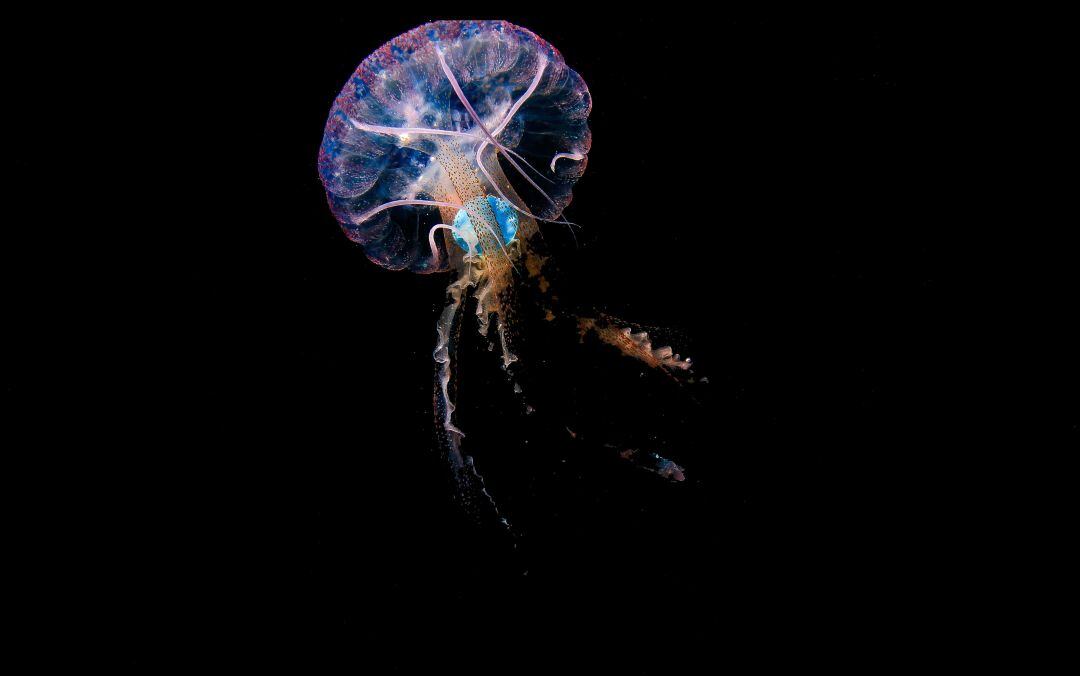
{"x":256,"y":396}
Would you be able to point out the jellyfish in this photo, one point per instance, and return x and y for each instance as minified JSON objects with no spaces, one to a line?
{"x":448,"y":151}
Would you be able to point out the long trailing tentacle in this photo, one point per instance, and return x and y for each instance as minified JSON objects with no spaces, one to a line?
{"x":465,"y":472}
{"x":476,"y":118}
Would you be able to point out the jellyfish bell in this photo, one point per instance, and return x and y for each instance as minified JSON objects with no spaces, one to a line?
{"x":438,"y":120}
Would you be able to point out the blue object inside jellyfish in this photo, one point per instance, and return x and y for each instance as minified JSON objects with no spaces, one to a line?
{"x":505,"y":216}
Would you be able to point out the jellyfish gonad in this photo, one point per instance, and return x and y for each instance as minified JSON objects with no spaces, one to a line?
{"x":446,"y":152}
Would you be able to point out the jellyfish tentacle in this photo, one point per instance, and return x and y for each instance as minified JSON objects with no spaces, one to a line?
{"x":461,"y":96}
{"x":492,"y":140}
{"x":516,"y":107}
{"x":431,"y":238}
{"x":441,"y":355}
{"x":524,"y":97}
{"x":499,"y":146}
{"x":491,"y":181}
{"x":483,"y":170}
{"x":357,"y":220}
{"x":577,"y":157}
{"x":482,"y":309}
{"x":464,"y":466}
{"x":398,"y":131}
{"x":502,"y":125}
{"x":420,"y":131}
{"x":526,"y":163}
{"x":476,"y":118}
